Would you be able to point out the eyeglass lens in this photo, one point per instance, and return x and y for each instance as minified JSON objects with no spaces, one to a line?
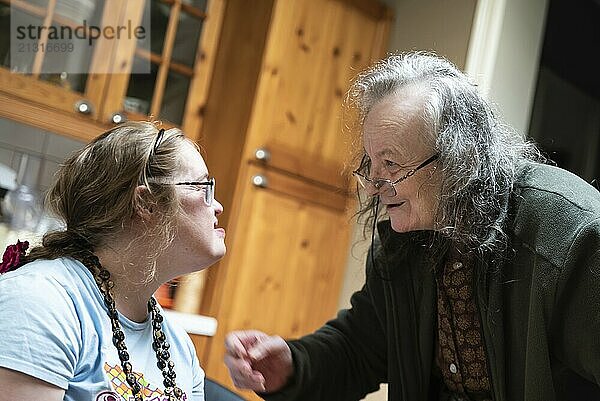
{"x":209,"y":194}
{"x":383,"y":187}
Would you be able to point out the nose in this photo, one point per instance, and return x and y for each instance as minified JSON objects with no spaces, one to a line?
{"x":217,"y":207}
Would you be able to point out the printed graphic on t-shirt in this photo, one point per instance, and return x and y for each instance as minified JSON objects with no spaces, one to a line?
{"x":122,"y":391}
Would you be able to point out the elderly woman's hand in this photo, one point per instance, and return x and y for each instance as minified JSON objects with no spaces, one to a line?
{"x":257,"y":361}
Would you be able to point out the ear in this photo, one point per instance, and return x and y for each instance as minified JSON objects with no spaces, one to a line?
{"x":144,"y":204}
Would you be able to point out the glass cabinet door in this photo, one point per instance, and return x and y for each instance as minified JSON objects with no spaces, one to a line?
{"x":163,"y":73}
{"x":182,"y":43}
{"x":175,"y":32}
{"x":41,"y":61}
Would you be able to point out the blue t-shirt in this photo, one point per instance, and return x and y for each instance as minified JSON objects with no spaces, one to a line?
{"x":54,"y":326}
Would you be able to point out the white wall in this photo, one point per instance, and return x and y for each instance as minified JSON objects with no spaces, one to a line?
{"x":441,"y":26}
{"x":504,"y":55}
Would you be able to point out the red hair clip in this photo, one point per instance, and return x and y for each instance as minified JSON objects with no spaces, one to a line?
{"x":13,"y":256}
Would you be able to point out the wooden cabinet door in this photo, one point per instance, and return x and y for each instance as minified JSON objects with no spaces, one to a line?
{"x":285,"y":261}
{"x":314,"y":49}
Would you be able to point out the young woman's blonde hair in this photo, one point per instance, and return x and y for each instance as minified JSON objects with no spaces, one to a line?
{"x":95,"y":190}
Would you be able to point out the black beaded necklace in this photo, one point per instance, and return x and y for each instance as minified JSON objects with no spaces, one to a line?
{"x":159,"y":343}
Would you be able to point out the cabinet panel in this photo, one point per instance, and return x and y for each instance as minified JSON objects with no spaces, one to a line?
{"x":285,"y":261}
{"x":315,"y":48}
{"x":68,"y":124}
{"x":111,"y":87}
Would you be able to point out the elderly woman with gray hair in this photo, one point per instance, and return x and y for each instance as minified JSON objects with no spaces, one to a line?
{"x":482,"y":283}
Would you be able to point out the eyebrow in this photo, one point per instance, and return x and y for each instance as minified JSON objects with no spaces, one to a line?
{"x":386,"y":152}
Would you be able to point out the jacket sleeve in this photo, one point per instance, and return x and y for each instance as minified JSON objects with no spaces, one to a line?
{"x":576,"y":320}
{"x":346,"y":358}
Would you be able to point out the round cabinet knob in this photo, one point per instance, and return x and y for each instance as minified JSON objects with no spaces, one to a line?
{"x":84,"y":107}
{"x":118,"y":117}
{"x":262,"y":154}
{"x":259,"y":181}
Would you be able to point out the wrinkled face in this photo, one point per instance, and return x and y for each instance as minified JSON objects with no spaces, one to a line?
{"x":395,"y":139}
{"x":199,"y":242}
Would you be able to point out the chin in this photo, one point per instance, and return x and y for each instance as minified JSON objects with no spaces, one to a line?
{"x":401,"y":228}
{"x":222,"y":249}
{"x":206,"y":257}
{"x":404,"y":225}
{"x":218,"y":253}
{"x":400,"y":222}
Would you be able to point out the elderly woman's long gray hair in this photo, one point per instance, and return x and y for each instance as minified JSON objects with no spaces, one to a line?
{"x":479,"y":155}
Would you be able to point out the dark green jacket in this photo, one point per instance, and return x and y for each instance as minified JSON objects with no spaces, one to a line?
{"x":540,"y":309}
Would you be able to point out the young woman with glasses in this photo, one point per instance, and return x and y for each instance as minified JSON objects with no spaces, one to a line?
{"x":79,"y":320}
{"x":483,"y":273}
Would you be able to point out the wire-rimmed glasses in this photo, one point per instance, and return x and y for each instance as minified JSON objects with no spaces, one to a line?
{"x":383,"y":186}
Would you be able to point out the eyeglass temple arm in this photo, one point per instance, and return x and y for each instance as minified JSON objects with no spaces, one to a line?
{"x":211,"y":183}
{"x":426,"y":162}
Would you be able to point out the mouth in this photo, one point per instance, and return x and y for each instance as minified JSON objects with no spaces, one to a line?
{"x":220,"y":231}
{"x":392,"y":206}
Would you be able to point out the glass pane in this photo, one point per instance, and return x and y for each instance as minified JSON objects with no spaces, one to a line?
{"x":66,"y":62}
{"x":175,"y":97}
{"x":186,"y":39}
{"x":24,"y":45}
{"x":140,"y":90}
{"x":4,"y":35}
{"x":159,"y":19}
{"x":74,"y":82}
{"x":38,"y":3}
{"x":199,"y":4}
{"x":79,"y":11}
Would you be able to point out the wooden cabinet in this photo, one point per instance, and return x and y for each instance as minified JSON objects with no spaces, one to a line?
{"x":314,"y":50}
{"x":287,"y":240}
{"x":274,"y":131}
{"x":179,"y":52}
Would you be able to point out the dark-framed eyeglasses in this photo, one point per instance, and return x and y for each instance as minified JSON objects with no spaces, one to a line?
{"x":384,"y":186}
{"x":209,"y":193}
